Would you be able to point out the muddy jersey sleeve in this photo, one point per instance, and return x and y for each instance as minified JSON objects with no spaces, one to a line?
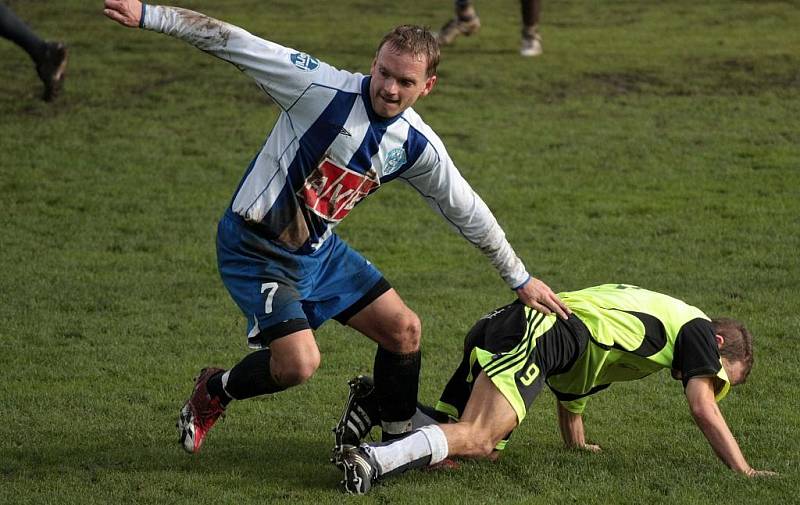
{"x":437,"y":179}
{"x":283,"y":73}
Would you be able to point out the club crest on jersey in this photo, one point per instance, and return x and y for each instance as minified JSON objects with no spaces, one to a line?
{"x":394,"y":160}
{"x":331,"y":191}
{"x":304,"y":61}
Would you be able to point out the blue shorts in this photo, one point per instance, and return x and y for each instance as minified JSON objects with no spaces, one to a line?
{"x":272,"y":285}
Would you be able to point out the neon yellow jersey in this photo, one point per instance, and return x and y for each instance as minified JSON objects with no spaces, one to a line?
{"x":634,"y":334}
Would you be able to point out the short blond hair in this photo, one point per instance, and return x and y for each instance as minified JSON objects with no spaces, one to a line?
{"x":416,"y":40}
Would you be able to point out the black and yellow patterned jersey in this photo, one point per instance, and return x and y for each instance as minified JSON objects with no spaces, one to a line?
{"x":635,"y":332}
{"x":617,"y":332}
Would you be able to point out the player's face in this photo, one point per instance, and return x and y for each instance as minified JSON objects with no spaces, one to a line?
{"x":398,"y":81}
{"x":736,"y":371}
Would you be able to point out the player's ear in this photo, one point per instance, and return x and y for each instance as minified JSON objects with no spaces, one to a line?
{"x":429,"y":83}
{"x":720,"y":340}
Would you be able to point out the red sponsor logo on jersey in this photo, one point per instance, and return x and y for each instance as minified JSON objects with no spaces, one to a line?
{"x":332,"y":191}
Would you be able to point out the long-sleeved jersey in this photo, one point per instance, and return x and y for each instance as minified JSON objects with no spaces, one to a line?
{"x":329,"y":149}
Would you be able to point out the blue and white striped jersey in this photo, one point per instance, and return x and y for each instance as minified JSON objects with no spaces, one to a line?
{"x":329,"y":150}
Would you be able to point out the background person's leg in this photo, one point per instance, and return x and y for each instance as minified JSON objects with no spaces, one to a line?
{"x":15,"y":30}
{"x":465,"y":22}
{"x":531,"y":40}
{"x":50,"y":57}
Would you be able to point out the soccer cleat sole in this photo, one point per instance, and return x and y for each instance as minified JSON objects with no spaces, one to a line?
{"x":357,"y":474}
{"x":186,"y":430}
{"x":337,"y":455}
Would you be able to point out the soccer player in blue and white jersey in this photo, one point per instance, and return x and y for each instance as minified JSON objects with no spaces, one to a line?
{"x":340,"y":136}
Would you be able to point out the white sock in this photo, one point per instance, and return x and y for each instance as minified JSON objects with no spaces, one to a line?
{"x":411,"y":451}
{"x":438,"y":442}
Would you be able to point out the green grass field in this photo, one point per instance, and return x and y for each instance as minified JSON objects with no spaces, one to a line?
{"x":654,"y":143}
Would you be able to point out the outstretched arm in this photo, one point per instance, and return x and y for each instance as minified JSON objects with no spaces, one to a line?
{"x":706,"y":413}
{"x":225,"y":41}
{"x":281,"y":72}
{"x":571,"y":426}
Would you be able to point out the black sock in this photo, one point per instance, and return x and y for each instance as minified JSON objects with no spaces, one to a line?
{"x":215,"y":388}
{"x":396,"y":386}
{"x":248,"y":378}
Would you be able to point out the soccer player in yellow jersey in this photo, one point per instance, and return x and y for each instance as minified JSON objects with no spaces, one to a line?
{"x":617,"y":332}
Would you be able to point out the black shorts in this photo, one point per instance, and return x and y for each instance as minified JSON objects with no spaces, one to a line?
{"x":517,"y":348}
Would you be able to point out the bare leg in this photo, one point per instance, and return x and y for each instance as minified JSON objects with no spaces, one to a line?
{"x":487,"y":419}
{"x":390,"y":323}
{"x":295,"y":358}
